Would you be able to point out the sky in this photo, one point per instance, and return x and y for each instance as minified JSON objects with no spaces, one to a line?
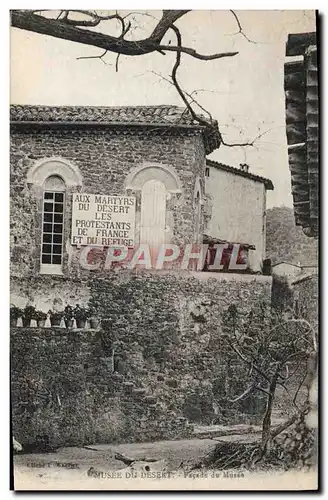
{"x":243,"y":93}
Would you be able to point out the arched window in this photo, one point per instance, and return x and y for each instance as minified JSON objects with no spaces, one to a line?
{"x":158,"y":190}
{"x":51,"y":179}
{"x":53,"y":225}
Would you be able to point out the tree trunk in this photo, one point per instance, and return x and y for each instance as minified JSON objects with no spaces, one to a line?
{"x":266,"y":424}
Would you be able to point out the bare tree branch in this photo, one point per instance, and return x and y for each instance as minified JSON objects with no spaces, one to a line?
{"x":190,"y":95}
{"x":129,"y":460}
{"x":258,"y":388}
{"x":93,"y":22}
{"x":96,"y":57}
{"x":249,"y":362}
{"x":269,"y":356}
{"x":299,"y":388}
{"x":69,"y":29}
{"x":305,"y":322}
{"x":65,"y":12}
{"x":244,"y":394}
{"x":175,"y":80}
{"x":116,"y":63}
{"x":135,"y":13}
{"x":196,"y":55}
{"x":66,"y":27}
{"x":246,"y":143}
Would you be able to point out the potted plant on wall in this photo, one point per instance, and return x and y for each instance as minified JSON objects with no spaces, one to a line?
{"x":41,"y":317}
{"x":55,"y":317}
{"x":29,"y":313}
{"x":69,"y":316}
{"x":81,"y":314}
{"x":15,"y":313}
{"x":93,"y":320}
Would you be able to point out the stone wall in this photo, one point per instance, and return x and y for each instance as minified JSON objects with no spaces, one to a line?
{"x":156,"y":364}
{"x":64,"y":392}
{"x":306,"y":297}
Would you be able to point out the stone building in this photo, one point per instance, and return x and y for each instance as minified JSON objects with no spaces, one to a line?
{"x":150,"y":368}
{"x":154,"y":153}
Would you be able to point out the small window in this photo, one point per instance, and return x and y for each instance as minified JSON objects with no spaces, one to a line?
{"x":207,"y":171}
{"x":197,"y":217}
{"x":52,"y":225}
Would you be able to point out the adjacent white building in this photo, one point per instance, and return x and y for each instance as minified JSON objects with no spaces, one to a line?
{"x":237,"y":206}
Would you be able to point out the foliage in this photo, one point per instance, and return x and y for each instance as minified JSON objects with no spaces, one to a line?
{"x":55,"y":315}
{"x":68,"y":313}
{"x":29,"y":313}
{"x":40,"y":315}
{"x":80,"y":313}
{"x":15,"y":312}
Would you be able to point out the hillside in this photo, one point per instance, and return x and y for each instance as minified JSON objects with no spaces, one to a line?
{"x":287,"y":242}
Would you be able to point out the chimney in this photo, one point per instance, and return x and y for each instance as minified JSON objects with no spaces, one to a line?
{"x":244,"y":167}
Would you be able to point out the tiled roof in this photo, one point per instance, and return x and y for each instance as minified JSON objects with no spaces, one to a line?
{"x":123,"y":114}
{"x":175,"y":117}
{"x":302,"y":129}
{"x":237,"y":171}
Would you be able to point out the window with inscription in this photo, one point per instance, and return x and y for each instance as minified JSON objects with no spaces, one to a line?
{"x":53,"y":225}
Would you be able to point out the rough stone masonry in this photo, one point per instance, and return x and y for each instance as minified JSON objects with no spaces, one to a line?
{"x":155,"y":366}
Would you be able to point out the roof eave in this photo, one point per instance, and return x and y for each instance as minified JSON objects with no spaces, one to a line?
{"x":73,"y":124}
{"x":215,"y":240}
{"x":211,"y":140}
